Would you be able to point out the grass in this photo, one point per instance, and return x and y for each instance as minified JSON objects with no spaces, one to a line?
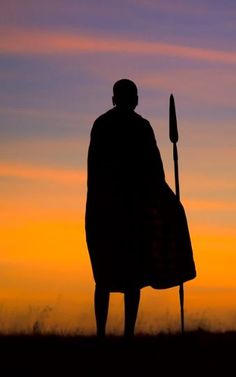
{"x":196,"y":353}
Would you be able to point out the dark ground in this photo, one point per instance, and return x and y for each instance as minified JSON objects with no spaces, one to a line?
{"x":198,"y":353}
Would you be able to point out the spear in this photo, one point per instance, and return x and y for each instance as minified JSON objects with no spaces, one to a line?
{"x":174,"y":137}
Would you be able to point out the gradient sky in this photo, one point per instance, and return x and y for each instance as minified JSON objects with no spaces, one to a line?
{"x":58,"y":62}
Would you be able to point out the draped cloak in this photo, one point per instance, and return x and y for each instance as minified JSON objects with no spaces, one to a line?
{"x":127,"y":222}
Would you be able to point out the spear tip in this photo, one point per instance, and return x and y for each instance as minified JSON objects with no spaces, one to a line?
{"x":173,"y":130}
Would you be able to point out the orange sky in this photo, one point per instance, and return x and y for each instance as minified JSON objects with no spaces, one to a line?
{"x":46,"y":261}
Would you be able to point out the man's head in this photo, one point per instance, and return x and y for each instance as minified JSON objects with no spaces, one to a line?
{"x":125,"y":94}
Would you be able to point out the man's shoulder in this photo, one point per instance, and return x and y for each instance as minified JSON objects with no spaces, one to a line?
{"x":141,"y":119}
{"x":105,"y":116}
{"x":144,"y":124}
{"x":101,"y":121}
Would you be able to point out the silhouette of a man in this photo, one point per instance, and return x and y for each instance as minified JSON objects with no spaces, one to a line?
{"x":125,"y":174}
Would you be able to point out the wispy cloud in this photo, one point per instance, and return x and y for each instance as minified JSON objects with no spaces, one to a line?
{"x":200,"y":84}
{"x":30,"y":112}
{"x":209,"y":205}
{"x":49,"y":43}
{"x":180,"y":7}
{"x":63,"y":176}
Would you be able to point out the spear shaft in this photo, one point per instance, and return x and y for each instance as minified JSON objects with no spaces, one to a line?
{"x":174,"y":137}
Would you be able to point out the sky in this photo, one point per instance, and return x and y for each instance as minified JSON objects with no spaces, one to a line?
{"x":58,"y":62}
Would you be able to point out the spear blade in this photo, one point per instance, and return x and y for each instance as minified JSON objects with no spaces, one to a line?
{"x":174,"y":137}
{"x":173,"y":130}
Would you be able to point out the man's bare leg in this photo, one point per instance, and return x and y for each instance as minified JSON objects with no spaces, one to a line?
{"x":132,"y":298}
{"x":101,"y":304}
